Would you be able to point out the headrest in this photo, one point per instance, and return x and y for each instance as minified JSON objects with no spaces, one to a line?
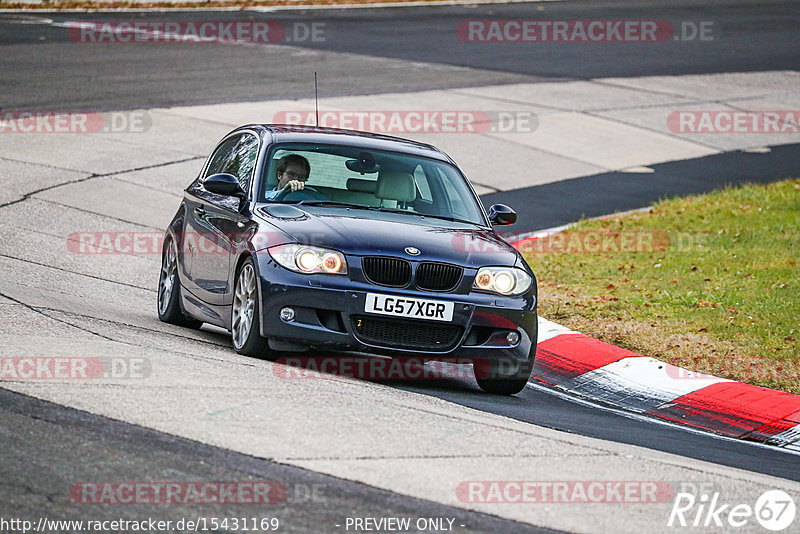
{"x":360,"y":185}
{"x":396,"y":185}
{"x":272,"y":177}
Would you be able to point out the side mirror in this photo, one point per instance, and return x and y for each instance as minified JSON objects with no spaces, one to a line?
{"x":223,"y":184}
{"x":227,"y":185}
{"x":500,"y":214}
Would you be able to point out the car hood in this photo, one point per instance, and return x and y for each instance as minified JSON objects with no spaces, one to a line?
{"x":365,"y":233}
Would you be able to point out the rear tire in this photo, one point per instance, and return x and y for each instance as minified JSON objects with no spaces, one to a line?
{"x":246,"y":314}
{"x":169,"y":290}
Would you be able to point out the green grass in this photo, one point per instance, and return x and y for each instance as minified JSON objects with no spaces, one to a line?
{"x":714,"y":284}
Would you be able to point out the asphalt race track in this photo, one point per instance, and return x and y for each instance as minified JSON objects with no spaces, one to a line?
{"x":56,"y":432}
{"x":369,"y":449}
{"x":367,"y":51}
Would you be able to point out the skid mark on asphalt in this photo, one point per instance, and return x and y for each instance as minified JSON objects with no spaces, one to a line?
{"x":26,"y":196}
{"x":149,"y":187}
{"x":35,"y":310}
{"x":74,"y":272}
{"x":63,"y":318}
{"x":45,"y":165}
{"x":90,"y":212}
{"x":117,"y":325}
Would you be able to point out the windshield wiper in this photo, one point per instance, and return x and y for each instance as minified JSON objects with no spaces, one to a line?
{"x":309,"y":202}
{"x":393,"y":210}
{"x":443,"y":217}
{"x":452,"y":219}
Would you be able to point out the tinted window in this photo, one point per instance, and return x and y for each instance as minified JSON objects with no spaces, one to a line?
{"x":236,"y":156}
{"x":222,"y":156}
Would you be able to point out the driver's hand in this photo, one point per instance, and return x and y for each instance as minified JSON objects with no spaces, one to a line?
{"x":295,"y":185}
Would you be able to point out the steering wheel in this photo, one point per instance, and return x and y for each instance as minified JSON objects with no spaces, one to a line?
{"x":307,"y":193}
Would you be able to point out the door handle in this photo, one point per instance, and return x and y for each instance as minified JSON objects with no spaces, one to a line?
{"x":200,"y":210}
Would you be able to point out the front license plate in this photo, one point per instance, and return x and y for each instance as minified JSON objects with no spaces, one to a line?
{"x":411,"y":308}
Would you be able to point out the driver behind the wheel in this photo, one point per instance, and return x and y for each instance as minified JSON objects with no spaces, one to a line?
{"x":292,"y":174}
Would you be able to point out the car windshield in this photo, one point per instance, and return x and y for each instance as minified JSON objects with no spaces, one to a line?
{"x":352,"y":177}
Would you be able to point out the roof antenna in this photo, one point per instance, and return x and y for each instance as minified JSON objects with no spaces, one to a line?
{"x":316,"y":98}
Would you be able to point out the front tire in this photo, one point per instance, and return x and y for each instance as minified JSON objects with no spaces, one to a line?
{"x":169,"y":290}
{"x":246,"y":313}
{"x":494,"y":376}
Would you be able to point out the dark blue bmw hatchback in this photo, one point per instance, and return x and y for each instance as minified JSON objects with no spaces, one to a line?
{"x":295,"y":238}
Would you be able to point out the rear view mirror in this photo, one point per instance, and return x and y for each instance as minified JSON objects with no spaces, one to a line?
{"x":500,"y":215}
{"x":363,"y":165}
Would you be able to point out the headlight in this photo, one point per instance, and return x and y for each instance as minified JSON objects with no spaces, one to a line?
{"x":502,"y":280}
{"x":307,"y":259}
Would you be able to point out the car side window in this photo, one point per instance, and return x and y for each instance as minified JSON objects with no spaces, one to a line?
{"x":236,"y":156}
{"x":246,"y":153}
{"x":222,"y":157}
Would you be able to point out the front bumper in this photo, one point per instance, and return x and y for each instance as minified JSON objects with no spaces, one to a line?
{"x":329,"y":314}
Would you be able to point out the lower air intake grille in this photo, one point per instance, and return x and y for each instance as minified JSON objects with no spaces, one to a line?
{"x":393,"y":272}
{"x":405,"y":334}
